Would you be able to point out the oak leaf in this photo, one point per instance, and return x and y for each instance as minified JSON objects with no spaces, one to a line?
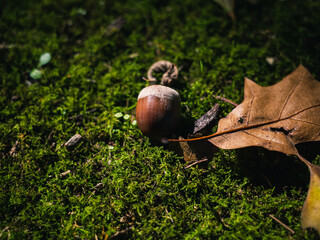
{"x":277,"y":118}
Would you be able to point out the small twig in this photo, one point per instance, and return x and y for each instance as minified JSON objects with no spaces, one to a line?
{"x":284,"y":225}
{"x":64,"y":173}
{"x":98,"y":185}
{"x":13,"y":151}
{"x":121,"y":234}
{"x":8,"y":46}
{"x":195,"y":163}
{"x":3,"y":230}
{"x":95,"y":189}
{"x":225,"y":100}
{"x":73,"y":141}
{"x":171,"y":219}
{"x":92,"y":194}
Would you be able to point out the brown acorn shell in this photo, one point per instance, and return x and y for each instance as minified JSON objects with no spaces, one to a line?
{"x":158,"y":116}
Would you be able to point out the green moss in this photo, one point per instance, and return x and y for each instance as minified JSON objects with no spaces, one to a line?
{"x":114,"y":180}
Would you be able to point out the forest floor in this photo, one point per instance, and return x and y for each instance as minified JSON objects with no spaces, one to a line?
{"x":114,"y":183}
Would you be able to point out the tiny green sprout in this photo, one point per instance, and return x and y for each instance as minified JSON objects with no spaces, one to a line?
{"x":44,"y":59}
{"x":35,"y":74}
{"x":81,"y":11}
{"x":119,"y":115}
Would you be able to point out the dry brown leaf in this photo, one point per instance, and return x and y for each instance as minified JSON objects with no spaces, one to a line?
{"x":277,"y":118}
{"x":197,"y":152}
{"x":194,"y":151}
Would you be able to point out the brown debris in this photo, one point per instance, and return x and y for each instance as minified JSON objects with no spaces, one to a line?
{"x":170,"y":72}
{"x":73,"y":141}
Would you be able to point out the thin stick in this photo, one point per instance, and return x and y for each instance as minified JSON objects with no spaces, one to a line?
{"x":169,"y":215}
{"x":284,"y":225}
{"x":197,"y":162}
{"x":121,"y":234}
{"x":225,"y":100}
{"x":148,"y":80}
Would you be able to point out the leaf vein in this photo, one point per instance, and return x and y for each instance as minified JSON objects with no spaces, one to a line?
{"x":290,"y":94}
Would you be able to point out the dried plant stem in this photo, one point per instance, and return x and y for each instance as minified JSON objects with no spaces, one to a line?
{"x":195,"y":163}
{"x":121,"y":234}
{"x":284,"y":225}
{"x":225,"y":100}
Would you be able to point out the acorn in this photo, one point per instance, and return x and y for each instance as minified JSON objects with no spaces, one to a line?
{"x":158,"y":111}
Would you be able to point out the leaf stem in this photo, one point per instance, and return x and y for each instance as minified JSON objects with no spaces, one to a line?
{"x":225,"y":100}
{"x":239,"y":128}
{"x":216,"y":134}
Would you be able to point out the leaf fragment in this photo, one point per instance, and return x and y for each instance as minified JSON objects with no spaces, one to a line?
{"x":193,"y":151}
{"x":73,"y":141}
{"x":228,"y":6}
{"x":310,"y":215}
{"x":207,"y":119}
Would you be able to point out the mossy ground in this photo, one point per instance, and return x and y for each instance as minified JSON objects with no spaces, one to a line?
{"x":117,"y":184}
